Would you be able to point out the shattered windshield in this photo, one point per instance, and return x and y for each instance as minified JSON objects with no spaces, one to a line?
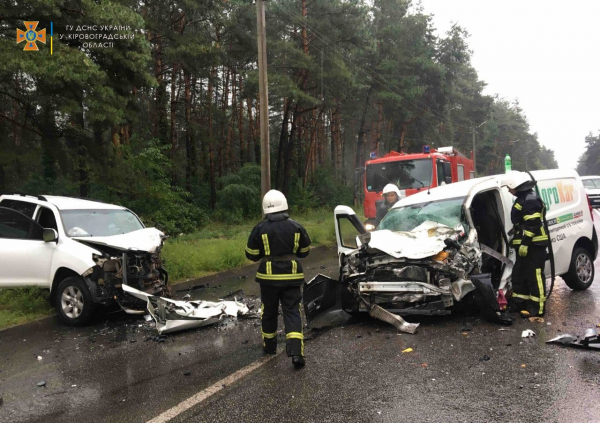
{"x":447,"y":212}
{"x":403,"y":173}
{"x":99,"y":222}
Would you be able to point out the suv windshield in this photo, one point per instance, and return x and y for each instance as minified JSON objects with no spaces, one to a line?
{"x":99,"y":222}
{"x":447,"y":212}
{"x":591,"y":183}
{"x":403,"y":173}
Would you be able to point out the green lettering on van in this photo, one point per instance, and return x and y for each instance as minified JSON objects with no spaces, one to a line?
{"x":564,"y":218}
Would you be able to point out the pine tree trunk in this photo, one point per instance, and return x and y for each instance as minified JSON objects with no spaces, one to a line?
{"x":240,"y":109}
{"x":190,"y":146}
{"x":251,"y":134}
{"x":283,"y":142}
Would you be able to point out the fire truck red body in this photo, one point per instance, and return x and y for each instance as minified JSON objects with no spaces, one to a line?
{"x":413,"y":173}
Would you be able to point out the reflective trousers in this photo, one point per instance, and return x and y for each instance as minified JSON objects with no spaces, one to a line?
{"x":291,"y":301}
{"x":529,"y":281}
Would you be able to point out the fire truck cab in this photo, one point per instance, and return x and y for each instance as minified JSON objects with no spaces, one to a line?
{"x":412,"y":173}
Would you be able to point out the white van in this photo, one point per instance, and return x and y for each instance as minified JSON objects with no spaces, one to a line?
{"x":435,"y":247}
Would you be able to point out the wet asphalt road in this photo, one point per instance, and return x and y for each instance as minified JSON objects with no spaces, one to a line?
{"x":461,"y":369}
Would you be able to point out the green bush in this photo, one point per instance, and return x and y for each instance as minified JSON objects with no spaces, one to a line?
{"x":238,"y":195}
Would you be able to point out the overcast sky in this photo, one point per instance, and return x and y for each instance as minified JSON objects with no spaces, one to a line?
{"x":546,"y":54}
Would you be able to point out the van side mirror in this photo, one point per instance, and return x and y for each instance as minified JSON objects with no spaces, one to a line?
{"x":50,"y":235}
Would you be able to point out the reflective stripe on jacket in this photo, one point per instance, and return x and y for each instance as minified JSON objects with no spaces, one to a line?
{"x":527,"y":216}
{"x":276,"y":240}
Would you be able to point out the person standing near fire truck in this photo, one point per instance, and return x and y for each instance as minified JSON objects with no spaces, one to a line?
{"x":391,"y":195}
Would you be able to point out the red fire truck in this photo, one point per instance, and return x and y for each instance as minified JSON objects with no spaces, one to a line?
{"x":412,"y":173}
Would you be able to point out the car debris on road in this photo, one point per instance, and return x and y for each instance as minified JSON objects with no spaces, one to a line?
{"x":590,"y":340}
{"x":173,"y":315}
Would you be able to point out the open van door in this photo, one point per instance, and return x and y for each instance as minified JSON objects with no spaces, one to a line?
{"x":347,"y":227}
{"x":321,"y":292}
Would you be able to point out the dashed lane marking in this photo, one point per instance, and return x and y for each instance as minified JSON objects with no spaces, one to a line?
{"x":210,"y":391}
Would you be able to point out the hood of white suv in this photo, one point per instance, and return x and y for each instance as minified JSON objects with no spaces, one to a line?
{"x":147,"y":240}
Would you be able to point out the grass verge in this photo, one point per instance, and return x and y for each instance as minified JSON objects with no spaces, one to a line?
{"x":22,"y":305}
{"x":220,"y":247}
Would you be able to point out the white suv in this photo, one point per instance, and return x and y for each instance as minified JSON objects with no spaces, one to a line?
{"x":83,"y":251}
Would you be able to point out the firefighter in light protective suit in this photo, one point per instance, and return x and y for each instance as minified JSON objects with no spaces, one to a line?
{"x":530,"y":241}
{"x":277,"y":242}
{"x":392,"y":195}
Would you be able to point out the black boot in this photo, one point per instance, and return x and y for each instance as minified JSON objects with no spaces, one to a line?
{"x":270,"y":346}
{"x":298,"y":361}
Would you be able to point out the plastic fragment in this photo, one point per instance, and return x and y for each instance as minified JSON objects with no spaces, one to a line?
{"x":527,"y":333}
{"x":523,"y":365}
{"x":408,"y":350}
{"x":41,"y":383}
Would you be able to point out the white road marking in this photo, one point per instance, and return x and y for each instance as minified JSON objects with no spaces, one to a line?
{"x":210,"y":391}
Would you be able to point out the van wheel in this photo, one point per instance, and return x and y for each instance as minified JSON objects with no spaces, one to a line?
{"x":581,"y":271}
{"x":74,"y":302}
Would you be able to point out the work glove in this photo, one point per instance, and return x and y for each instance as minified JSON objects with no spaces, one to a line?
{"x":523,"y":250}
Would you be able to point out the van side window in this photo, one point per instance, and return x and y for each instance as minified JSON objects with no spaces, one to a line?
{"x":14,"y":225}
{"x":46,"y":218}
{"x":21,"y":206}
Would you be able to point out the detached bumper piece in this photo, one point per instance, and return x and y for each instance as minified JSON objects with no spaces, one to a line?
{"x":172,"y":316}
{"x":590,"y":341}
{"x":393,"y":319}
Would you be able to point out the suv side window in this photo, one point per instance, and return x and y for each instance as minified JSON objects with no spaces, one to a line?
{"x":21,"y":206}
{"x":14,"y":225}
{"x":46,"y":218}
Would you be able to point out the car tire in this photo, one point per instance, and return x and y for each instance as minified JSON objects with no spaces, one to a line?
{"x":73,"y":302}
{"x":581,"y":271}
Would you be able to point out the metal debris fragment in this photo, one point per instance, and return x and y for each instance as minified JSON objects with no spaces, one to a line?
{"x":171,"y":315}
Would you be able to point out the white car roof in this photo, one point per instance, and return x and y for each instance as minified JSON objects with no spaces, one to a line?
{"x":63,"y":203}
{"x":68,"y":203}
{"x":461,"y":189}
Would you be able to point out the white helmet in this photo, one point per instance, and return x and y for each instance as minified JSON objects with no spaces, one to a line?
{"x":274,"y":201}
{"x":391,"y":188}
{"x":514,"y":179}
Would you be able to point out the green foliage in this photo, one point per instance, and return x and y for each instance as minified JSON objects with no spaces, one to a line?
{"x":589,"y":162}
{"x":239,"y":195}
{"x":140,"y":182}
{"x":21,"y":305}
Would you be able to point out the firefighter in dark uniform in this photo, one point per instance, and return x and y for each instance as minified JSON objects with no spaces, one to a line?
{"x":530,"y":242}
{"x":277,"y":242}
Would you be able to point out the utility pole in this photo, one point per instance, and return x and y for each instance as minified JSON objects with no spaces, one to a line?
{"x":263,"y":90}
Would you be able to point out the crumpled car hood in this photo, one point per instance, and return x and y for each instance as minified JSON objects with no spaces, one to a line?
{"x":148,"y":240}
{"x":424,"y":241}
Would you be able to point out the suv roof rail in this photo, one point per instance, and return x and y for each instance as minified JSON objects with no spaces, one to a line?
{"x":39,"y":197}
